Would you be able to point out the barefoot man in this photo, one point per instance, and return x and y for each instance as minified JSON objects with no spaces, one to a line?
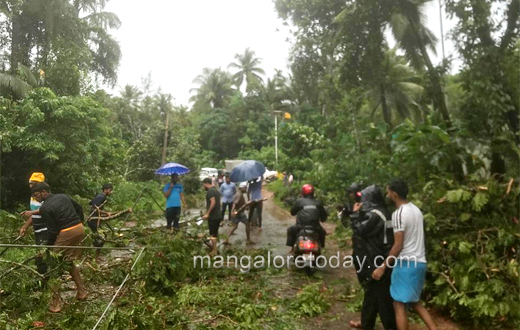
{"x":238,"y":212}
{"x":63,"y":218}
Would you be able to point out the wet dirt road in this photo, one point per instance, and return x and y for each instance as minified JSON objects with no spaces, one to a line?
{"x":275,"y":222}
{"x":340,"y":281}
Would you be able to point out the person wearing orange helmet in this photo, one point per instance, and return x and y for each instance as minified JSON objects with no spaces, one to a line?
{"x":35,"y":220}
{"x":309,"y":212}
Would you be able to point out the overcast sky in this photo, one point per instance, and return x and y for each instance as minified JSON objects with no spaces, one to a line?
{"x":175,"y":39}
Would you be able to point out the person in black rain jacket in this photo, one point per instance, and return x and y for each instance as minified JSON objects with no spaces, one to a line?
{"x":372,"y":239}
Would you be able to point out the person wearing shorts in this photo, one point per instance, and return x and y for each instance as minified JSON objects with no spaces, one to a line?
{"x":63,"y":218}
{"x":239,"y":204}
{"x":409,"y":270}
{"x":213,"y":213}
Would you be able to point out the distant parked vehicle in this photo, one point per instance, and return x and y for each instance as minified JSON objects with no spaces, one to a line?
{"x":270,"y":175}
{"x":231,"y":164}
{"x":208,"y":172}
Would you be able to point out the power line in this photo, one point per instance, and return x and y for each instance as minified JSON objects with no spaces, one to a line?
{"x":119,"y":289}
{"x":72,"y":247}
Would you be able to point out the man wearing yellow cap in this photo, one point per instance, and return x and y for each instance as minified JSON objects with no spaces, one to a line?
{"x":35,"y":219}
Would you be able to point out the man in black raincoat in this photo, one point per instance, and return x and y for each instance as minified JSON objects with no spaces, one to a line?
{"x":372,"y":239}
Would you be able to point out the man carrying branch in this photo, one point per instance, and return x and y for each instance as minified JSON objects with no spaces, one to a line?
{"x":63,"y":217}
{"x":238,"y":213}
{"x":98,"y":215}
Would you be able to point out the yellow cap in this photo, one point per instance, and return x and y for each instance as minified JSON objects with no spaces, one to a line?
{"x":37,"y":177}
{"x":287,"y":115}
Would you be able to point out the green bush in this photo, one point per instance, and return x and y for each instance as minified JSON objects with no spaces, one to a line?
{"x":312,"y":300}
{"x":473,"y":241}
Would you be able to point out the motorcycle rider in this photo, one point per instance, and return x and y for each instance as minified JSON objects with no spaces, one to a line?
{"x":354,"y":196}
{"x":372,"y":240}
{"x":308,"y":212}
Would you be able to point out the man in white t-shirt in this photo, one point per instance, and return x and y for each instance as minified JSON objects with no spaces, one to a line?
{"x":409,"y":253}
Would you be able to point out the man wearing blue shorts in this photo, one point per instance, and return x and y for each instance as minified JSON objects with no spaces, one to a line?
{"x":409,"y":254}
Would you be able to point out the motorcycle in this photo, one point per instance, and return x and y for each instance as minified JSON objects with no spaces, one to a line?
{"x":307,"y":249}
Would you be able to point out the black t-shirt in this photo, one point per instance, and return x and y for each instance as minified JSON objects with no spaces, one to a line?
{"x":98,"y":201}
{"x":215,"y":213}
{"x":60,"y":212}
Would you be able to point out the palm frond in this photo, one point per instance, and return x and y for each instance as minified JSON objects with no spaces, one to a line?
{"x":15,"y":84}
{"x":28,"y":75}
{"x":104,"y":20}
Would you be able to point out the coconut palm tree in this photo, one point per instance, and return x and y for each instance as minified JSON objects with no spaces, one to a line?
{"x":248,"y":70}
{"x":397,"y":92}
{"x":215,"y":88}
{"x":277,"y":90}
{"x":19,"y":83}
{"x":363,"y":25}
{"x":408,"y":25}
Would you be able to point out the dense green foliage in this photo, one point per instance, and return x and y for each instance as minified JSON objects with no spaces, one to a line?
{"x":362,"y":110}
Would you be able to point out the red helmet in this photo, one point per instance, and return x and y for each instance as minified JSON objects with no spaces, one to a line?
{"x":307,"y":189}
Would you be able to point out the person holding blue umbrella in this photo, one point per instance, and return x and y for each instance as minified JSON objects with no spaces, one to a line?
{"x":174,"y":193}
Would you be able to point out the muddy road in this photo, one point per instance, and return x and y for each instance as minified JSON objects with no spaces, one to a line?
{"x":342,"y":282}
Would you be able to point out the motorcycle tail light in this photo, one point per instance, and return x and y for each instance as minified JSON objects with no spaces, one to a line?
{"x":308,"y":245}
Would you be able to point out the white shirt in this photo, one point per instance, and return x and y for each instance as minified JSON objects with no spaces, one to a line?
{"x":409,"y":219}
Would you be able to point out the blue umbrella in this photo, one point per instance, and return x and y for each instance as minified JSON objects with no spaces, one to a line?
{"x":248,"y":170}
{"x":172,"y":168}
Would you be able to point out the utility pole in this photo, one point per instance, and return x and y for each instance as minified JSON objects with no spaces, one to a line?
{"x":442,"y":30}
{"x":276,"y":112}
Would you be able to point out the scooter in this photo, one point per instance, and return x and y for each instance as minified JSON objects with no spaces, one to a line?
{"x":307,"y":249}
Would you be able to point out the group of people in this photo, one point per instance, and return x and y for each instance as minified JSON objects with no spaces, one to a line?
{"x":288,"y":179}
{"x":57,"y":221}
{"x":390,"y":255}
{"x":388,"y":249}
{"x":219,"y":199}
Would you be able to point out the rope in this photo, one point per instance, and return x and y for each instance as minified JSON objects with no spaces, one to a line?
{"x":119,"y":289}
